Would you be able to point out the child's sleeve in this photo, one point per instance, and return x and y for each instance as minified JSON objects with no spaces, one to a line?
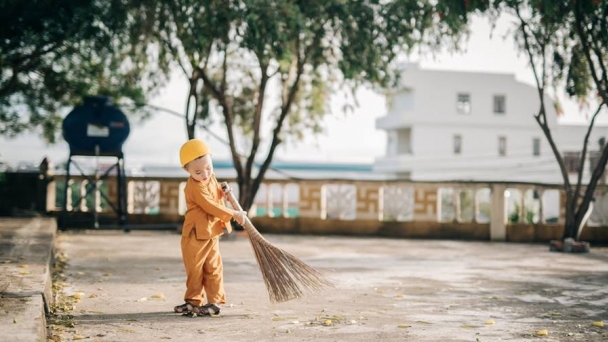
{"x":206,"y":201}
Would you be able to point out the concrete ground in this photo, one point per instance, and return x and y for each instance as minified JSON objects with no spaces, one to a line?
{"x":122,"y":287}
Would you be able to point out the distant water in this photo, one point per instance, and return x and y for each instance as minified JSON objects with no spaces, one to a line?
{"x":224,"y":169}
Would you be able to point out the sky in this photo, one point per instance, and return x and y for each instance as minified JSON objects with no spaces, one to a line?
{"x":348,"y":137}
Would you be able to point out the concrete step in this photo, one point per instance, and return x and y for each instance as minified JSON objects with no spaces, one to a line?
{"x":26,"y":256}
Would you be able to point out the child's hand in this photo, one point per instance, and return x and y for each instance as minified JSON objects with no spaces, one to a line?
{"x":239,"y":217}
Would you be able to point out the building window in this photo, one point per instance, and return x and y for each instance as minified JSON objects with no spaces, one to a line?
{"x":463,"y":104}
{"x":572,"y":161}
{"x":502,"y":146}
{"x":500,"y":104}
{"x":457,"y":144}
{"x":536,"y":147}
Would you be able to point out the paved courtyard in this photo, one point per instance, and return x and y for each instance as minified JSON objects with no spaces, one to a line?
{"x":123,"y":288}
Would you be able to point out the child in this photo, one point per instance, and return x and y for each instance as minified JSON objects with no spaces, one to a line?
{"x":205,"y":219}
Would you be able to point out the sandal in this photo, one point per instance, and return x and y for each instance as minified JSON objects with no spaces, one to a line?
{"x":205,"y":310}
{"x":182,"y":308}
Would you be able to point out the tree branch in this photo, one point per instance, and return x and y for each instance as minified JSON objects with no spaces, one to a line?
{"x":176,"y":54}
{"x":540,"y":87}
{"x":595,"y":177}
{"x":221,"y":96}
{"x":285,"y":108}
{"x":580,"y":31}
{"x":36,"y":54}
{"x":541,"y":117}
{"x":598,"y":55}
{"x":584,"y":152}
{"x":257,"y":116}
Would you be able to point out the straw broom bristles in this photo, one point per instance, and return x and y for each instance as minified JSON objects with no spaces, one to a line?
{"x":286,"y":277}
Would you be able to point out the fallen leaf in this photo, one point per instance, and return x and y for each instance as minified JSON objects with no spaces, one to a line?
{"x":24,"y":266}
{"x":469,"y":326}
{"x":543,"y":332}
{"x":78,"y":337}
{"x":490,"y":322}
{"x":423,"y":322}
{"x":403,"y":326}
{"x":599,"y":324}
{"x":327,"y":322}
{"x":25,"y":272}
{"x":399,"y":296}
{"x":93,"y":296}
{"x":158,"y":296}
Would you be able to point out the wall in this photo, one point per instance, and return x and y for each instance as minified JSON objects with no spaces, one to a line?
{"x":400,"y":209}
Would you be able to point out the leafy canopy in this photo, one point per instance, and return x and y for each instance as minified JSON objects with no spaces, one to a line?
{"x":54,"y":52}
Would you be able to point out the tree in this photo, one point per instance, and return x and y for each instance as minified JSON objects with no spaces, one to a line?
{"x":267,"y":68}
{"x":54,"y":52}
{"x":567,"y":45}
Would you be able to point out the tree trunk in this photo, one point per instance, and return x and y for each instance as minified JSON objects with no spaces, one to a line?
{"x":190,"y":130}
{"x":192,"y":97}
{"x":570,"y":224}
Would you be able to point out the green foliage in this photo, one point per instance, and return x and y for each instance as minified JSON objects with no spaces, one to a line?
{"x":572,"y":36}
{"x":514,"y":215}
{"x":54,"y":52}
{"x":529,"y":215}
{"x":268,"y":68}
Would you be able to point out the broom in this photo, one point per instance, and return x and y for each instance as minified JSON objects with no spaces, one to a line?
{"x":286,"y":277}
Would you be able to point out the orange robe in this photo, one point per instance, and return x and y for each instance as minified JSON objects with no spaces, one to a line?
{"x":205,"y":219}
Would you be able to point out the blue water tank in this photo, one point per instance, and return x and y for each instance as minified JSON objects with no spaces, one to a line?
{"x":96,"y":123}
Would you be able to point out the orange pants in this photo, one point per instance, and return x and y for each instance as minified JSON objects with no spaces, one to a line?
{"x":204,"y":270}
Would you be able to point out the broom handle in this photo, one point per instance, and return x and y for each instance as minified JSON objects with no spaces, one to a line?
{"x":253,"y":233}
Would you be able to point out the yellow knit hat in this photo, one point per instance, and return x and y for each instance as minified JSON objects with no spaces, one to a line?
{"x":192,"y":149}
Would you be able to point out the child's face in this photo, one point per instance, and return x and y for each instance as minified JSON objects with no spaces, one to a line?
{"x":200,"y":169}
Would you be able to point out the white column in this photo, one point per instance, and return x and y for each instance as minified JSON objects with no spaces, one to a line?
{"x":269,"y":200}
{"x":498,"y":227}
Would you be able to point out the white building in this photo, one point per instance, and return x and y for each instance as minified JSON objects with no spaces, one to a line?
{"x":448,"y":125}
